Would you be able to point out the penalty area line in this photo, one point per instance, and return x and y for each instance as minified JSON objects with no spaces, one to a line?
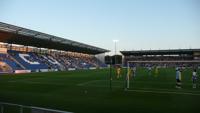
{"x":163,"y":92}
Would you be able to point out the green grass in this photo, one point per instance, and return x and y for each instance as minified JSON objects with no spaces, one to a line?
{"x":88,"y":91}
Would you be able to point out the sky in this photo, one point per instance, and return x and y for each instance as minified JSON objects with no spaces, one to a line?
{"x":137,"y":24}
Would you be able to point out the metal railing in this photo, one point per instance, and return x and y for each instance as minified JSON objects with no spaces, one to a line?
{"x":32,"y":109}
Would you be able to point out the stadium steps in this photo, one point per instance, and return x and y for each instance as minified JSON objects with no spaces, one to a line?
{"x":17,"y":62}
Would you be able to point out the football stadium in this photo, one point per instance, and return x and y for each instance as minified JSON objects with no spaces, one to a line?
{"x":42,"y":70}
{"x":45,"y":73}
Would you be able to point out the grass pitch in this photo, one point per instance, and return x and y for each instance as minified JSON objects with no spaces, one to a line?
{"x":88,"y":91}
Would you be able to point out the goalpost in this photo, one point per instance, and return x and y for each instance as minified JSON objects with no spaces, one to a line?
{"x":156,"y":62}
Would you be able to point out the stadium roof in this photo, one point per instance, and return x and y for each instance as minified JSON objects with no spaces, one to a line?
{"x":160,"y":52}
{"x":18,"y":35}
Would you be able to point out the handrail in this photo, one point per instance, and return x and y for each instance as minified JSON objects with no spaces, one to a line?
{"x":32,"y":107}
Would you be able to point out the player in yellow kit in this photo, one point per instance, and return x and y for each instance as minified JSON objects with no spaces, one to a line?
{"x":118,"y":72}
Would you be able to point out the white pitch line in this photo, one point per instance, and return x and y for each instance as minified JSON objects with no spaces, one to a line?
{"x":145,"y":89}
{"x":104,"y":86}
{"x":133,"y":82}
{"x":163,"y":92}
{"x":93,"y":81}
{"x":159,"y":89}
{"x":85,"y":83}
